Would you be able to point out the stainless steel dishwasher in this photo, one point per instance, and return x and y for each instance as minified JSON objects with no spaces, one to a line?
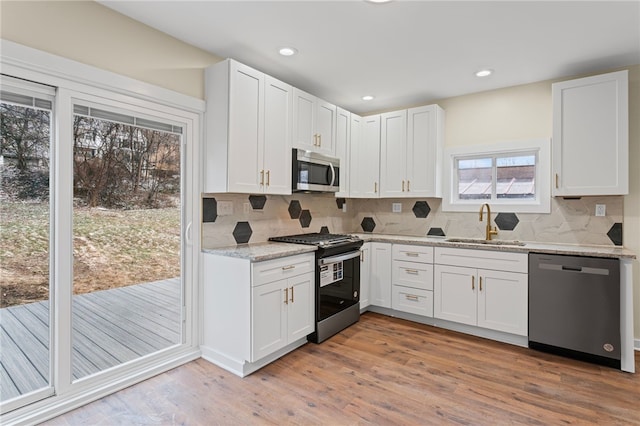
{"x":574,"y":307}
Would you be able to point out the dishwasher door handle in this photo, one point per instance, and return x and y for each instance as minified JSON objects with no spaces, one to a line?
{"x":578,"y":269}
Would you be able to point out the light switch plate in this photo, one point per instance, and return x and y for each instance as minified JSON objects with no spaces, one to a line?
{"x":396,"y":207}
{"x":601,"y":209}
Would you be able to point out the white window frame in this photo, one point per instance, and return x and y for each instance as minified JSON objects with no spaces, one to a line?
{"x":541,"y":148}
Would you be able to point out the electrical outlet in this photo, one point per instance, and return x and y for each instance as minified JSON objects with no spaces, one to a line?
{"x":396,"y":207}
{"x":601,"y":209}
{"x":225,"y":208}
{"x":344,"y":207}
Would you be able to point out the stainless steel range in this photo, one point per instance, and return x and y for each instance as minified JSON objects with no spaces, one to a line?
{"x":337,"y":280}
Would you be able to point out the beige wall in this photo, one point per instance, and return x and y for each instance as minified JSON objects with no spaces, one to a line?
{"x":93,"y":34}
{"x":90,"y":33}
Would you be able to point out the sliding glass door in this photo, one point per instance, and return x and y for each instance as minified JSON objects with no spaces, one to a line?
{"x":97,"y":193}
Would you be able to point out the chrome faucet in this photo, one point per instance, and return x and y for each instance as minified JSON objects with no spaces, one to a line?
{"x":489,"y":231}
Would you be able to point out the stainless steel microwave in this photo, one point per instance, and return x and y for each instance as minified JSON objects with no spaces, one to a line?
{"x":313,"y":172}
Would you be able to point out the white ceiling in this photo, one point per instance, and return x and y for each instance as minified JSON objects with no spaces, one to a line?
{"x":404,"y":52}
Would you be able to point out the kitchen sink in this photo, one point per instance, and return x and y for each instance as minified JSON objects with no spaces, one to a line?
{"x":486,"y":242}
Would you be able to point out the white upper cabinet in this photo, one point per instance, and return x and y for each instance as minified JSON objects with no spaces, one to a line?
{"x":411,"y":152}
{"x":393,"y":153}
{"x":248,"y":131}
{"x":365,"y":157}
{"x":591,"y":136}
{"x":425,"y":145}
{"x":314,"y":123}
{"x":343,"y":141}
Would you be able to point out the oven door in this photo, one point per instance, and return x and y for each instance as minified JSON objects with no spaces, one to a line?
{"x":337,"y":284}
{"x":314,"y":172}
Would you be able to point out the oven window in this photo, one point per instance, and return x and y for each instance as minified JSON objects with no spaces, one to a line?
{"x":343,"y":292}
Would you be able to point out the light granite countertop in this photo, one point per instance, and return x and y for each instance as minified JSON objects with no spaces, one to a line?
{"x":257,"y":252}
{"x":548,"y":248}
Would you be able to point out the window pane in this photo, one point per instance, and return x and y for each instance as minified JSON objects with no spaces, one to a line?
{"x":475,"y":179}
{"x":24,"y":248}
{"x":126,"y":242}
{"x":516,"y":177}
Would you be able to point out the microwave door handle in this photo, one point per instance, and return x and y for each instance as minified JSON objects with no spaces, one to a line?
{"x":333,"y":174}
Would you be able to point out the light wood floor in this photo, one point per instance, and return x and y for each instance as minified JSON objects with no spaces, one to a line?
{"x":382,"y":371}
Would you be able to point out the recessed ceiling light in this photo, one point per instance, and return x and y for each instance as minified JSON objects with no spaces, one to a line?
{"x":367,"y":98}
{"x":288,"y":51}
{"x":484,"y":73}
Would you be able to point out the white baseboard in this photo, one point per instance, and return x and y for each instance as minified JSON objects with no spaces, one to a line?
{"x":636,"y":344}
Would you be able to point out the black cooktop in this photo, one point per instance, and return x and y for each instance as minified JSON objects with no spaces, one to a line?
{"x":315,"y":239}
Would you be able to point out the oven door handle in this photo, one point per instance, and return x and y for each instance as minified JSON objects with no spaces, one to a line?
{"x":339,"y":258}
{"x":333,"y":174}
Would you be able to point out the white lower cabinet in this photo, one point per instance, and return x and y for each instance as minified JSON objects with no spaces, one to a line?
{"x":412,"y":279}
{"x":365,"y":275}
{"x":490,"y":298}
{"x":282,"y":313}
{"x":255,"y":312}
{"x":380,"y":280}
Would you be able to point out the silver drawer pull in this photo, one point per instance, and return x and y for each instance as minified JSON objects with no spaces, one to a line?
{"x":411,"y":297}
{"x":286,"y":268}
{"x":411,"y":254}
{"x":412,"y":271}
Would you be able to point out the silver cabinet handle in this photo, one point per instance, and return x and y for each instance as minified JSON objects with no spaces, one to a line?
{"x":412,"y":297}
{"x":412,"y":271}
{"x":286,"y":268}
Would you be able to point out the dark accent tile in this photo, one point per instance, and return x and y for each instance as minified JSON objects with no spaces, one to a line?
{"x":294,"y":209}
{"x":324,"y":230}
{"x":257,"y":201}
{"x":305,"y":218}
{"x":421,"y":209}
{"x":615,"y":234}
{"x":242,"y":232}
{"x":436,"y":232}
{"x":507,"y":221}
{"x":368,"y":224}
{"x":340,"y":202}
{"x":209,"y":209}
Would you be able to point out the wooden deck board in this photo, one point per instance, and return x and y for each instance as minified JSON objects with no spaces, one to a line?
{"x":109,"y":327}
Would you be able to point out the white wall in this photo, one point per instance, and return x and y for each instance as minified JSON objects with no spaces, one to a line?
{"x":93,"y":34}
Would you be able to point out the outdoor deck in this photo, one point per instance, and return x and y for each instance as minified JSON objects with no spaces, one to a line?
{"x":109,"y":327}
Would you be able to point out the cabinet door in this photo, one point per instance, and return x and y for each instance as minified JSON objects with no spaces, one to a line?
{"x":343,"y":136}
{"x":365,"y":275}
{"x":325,"y":127}
{"x":455,"y":292}
{"x":393,"y":155}
{"x":301,"y":307}
{"x":424,"y":151}
{"x":246,"y":129}
{"x":380,"y":280}
{"x":591,"y":135}
{"x":503,"y":301}
{"x":268,"y":319}
{"x":304,"y":124}
{"x":365,"y":160}
{"x":278,"y":114}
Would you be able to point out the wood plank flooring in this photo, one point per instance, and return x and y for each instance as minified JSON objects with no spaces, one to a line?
{"x":382,"y":370}
{"x":110,"y":327}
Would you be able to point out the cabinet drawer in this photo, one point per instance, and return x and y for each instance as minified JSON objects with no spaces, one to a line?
{"x":273,"y":270}
{"x":415,"y":275}
{"x":421,"y":254}
{"x":413,"y":301}
{"x":485,"y":259}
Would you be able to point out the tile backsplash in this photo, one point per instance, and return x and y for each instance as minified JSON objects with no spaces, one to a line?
{"x":231,"y":219}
